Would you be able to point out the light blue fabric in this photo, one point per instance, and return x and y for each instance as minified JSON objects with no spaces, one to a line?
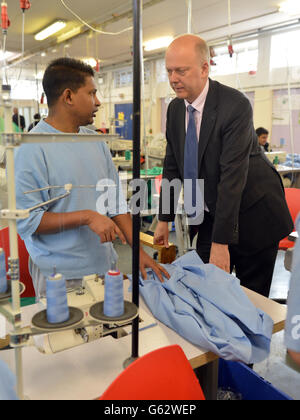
{"x":77,"y":252}
{"x":7,"y":384}
{"x":292,"y":332}
{"x":293,"y":160}
{"x":208,"y":307}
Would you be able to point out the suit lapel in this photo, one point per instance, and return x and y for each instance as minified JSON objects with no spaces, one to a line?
{"x":208,"y":120}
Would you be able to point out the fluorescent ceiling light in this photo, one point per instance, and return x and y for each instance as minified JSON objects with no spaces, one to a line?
{"x":50,"y":30}
{"x":68,"y":35}
{"x":158,"y":43}
{"x":291,"y":7}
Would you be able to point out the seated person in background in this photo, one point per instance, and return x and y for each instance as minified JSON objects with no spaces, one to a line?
{"x":292,"y":331}
{"x":263,"y":136}
{"x":37,"y":119}
{"x":71,"y":234}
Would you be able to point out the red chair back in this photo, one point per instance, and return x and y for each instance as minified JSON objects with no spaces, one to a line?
{"x":163,"y":374}
{"x":158,"y":182}
{"x":25,"y":277}
{"x":293,"y":201}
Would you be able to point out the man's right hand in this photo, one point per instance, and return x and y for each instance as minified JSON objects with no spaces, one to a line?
{"x":161,"y":235}
{"x":104,"y":227}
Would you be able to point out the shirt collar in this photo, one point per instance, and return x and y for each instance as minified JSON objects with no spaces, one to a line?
{"x":199,"y":103}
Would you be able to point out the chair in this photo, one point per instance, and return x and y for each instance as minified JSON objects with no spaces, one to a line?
{"x":25,"y":277}
{"x":158,"y":182}
{"x":293,"y":202}
{"x":164,"y":374}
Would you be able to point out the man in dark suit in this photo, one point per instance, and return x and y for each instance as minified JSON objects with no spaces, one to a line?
{"x":246,"y":214}
{"x":18,"y":119}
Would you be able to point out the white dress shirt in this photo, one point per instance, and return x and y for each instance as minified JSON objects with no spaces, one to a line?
{"x":198,"y":104}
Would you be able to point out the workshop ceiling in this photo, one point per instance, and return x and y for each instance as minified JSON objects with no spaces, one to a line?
{"x":160,"y":18}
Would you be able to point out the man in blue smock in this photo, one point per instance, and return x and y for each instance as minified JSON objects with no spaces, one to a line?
{"x":70,"y":234}
{"x":292,"y":332}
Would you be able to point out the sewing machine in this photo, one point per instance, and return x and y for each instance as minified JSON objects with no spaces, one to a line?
{"x":120,"y":161}
{"x":121,"y":145}
{"x":281,"y":155}
{"x":88,"y":330}
{"x":90,"y":326}
{"x":156,"y":150}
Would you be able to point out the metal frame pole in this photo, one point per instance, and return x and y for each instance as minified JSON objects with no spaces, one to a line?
{"x":13,"y":237}
{"x":137,"y":65}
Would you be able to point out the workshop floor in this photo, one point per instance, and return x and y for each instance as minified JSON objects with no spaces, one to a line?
{"x":274,"y":369}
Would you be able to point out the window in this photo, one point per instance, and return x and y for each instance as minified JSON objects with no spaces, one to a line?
{"x":26,"y":89}
{"x":102,"y":79}
{"x":285,"y":50}
{"x":124,"y":77}
{"x":161,"y":72}
{"x":244,"y":60}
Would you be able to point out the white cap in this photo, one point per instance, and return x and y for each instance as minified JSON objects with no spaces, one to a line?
{"x":68,"y":187}
{"x":56,"y":277}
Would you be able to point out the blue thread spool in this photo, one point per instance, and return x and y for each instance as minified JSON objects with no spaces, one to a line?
{"x":3,"y":278}
{"x":57,"y":301}
{"x":114,"y":294}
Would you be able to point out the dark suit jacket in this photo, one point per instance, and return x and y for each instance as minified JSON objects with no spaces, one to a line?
{"x":16,"y":121}
{"x":243,"y":190}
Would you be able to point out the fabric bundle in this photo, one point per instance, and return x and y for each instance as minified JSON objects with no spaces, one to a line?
{"x":208,"y":307}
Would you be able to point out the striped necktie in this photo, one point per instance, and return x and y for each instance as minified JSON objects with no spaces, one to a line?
{"x":191,"y":165}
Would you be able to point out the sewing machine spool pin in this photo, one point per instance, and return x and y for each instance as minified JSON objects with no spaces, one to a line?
{"x":40,"y":322}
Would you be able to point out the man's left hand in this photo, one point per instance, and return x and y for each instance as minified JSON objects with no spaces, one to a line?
{"x":147,"y":262}
{"x":220,"y":256}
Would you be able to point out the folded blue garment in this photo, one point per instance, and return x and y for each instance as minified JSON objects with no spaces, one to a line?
{"x":209,"y":308}
{"x":7,"y":384}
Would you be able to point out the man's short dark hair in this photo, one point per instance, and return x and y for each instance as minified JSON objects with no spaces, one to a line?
{"x":64,"y":73}
{"x":261,"y":132}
